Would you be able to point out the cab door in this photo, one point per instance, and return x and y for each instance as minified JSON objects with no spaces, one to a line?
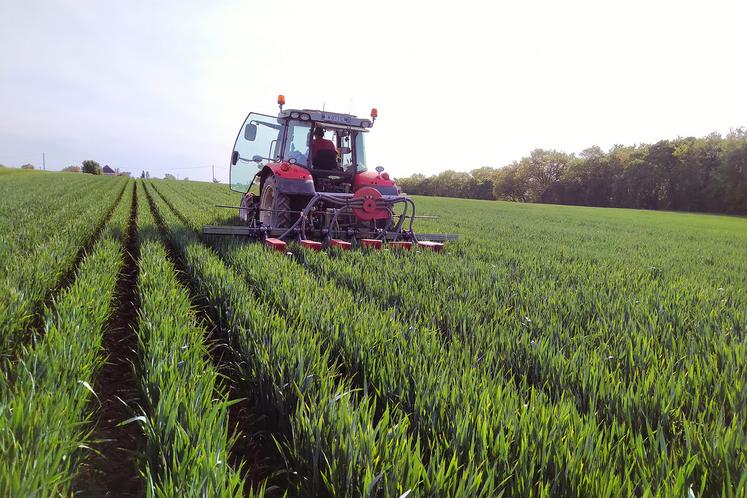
{"x":257,"y":143}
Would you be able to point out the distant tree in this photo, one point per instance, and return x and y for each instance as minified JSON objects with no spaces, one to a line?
{"x":124,"y":173}
{"x":27,"y":166}
{"x":696,"y":186}
{"x":732,"y":173}
{"x":91,"y":167}
{"x":147,"y":174}
{"x":142,"y":174}
{"x":543,"y":170}
{"x":185,"y":179}
{"x":477,"y":184}
{"x":483,"y":183}
{"x":169,"y":176}
{"x":413,"y":184}
{"x":511,"y":185}
{"x":72,"y":169}
{"x":587,"y":180}
{"x":451,"y":183}
{"x":662,"y":167}
{"x":536,"y":178}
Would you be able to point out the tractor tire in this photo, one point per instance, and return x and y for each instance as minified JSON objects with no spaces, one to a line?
{"x":274,"y":206}
{"x":247,"y":208}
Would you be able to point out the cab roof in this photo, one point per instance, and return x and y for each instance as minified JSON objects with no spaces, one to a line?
{"x":332,"y":118}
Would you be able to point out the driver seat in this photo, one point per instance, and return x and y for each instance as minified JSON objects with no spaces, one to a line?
{"x":325,"y":159}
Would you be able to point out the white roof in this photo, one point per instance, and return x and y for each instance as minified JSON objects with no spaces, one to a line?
{"x":333,"y":118}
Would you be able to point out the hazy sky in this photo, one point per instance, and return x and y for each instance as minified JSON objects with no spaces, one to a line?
{"x":164,"y":86}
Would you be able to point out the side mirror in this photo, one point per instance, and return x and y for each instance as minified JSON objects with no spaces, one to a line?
{"x":234,"y":157}
{"x":250,"y":132}
{"x":257,"y":158}
{"x":345,"y":150}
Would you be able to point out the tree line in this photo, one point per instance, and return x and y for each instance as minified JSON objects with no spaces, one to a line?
{"x":88,"y":166}
{"x":707,"y":174}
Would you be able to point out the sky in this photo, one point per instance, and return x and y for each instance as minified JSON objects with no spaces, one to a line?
{"x":165,"y":86}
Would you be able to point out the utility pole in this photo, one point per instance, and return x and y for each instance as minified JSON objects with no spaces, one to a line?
{"x":213,"y":172}
{"x":44,"y":161}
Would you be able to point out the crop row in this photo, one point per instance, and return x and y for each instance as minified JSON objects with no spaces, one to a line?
{"x":45,"y":399}
{"x":185,"y":413}
{"x":43,"y":242}
{"x":335,"y":439}
{"x":693,"y":438}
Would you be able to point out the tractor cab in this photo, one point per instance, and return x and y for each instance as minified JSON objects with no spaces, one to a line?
{"x":265,"y":141}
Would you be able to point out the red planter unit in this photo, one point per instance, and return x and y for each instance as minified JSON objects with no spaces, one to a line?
{"x":340,"y":244}
{"x":401,"y":244}
{"x":276,"y":244}
{"x":433,"y":246}
{"x":371,"y":243}
{"x":312,"y":244}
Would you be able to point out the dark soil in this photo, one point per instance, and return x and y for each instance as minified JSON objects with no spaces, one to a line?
{"x":112,"y":468}
{"x":254,"y":449}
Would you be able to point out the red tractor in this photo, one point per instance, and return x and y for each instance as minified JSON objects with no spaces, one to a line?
{"x":303,"y":176}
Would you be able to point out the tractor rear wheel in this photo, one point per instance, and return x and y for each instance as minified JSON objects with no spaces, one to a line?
{"x":275,"y":207}
{"x":246,"y":208}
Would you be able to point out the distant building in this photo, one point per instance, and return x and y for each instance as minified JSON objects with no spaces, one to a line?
{"x":106,"y":170}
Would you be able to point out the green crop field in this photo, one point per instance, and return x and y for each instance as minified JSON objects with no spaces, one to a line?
{"x":551,"y":351}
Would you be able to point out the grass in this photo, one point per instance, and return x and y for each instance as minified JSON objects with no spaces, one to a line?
{"x":185,"y":417}
{"x":45,"y":399}
{"x":45,"y":223}
{"x":551,"y":351}
{"x":622,"y":328}
{"x":334,"y":443}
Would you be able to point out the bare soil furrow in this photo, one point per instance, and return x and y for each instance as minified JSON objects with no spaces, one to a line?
{"x":113,"y":468}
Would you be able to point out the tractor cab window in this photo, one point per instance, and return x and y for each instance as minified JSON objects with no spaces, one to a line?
{"x":360,"y":152}
{"x":345,"y":147}
{"x":297,"y":143}
{"x":256,"y":144}
{"x":349,"y":146}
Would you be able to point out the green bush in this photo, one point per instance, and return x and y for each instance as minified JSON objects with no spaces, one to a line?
{"x":91,"y":167}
